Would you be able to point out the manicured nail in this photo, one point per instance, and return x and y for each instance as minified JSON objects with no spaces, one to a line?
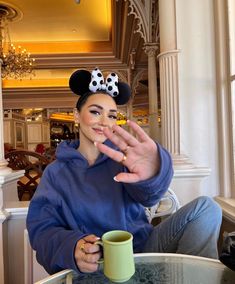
{"x":95,"y":143}
{"x":116,"y":179}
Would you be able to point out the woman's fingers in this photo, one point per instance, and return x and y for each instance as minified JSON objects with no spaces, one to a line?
{"x":91,"y":248}
{"x":88,"y":267}
{"x":87,"y":254}
{"x":139,"y":154}
{"x":127,"y":177}
{"x":139,"y":132}
{"x":140,"y":135}
{"x":120,"y":137}
{"x":91,"y":238}
{"x":113,"y":154}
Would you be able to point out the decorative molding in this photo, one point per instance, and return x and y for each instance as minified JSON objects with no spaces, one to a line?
{"x":4,"y":215}
{"x":146,"y":14}
{"x":137,"y":76}
{"x":195,"y":172}
{"x":168,"y":53}
{"x":151,"y":49}
{"x":132,"y":59}
{"x":17,"y":210}
{"x":83,"y":60}
{"x":13,"y":176}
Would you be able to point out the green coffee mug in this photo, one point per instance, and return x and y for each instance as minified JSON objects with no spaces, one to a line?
{"x":118,"y":258}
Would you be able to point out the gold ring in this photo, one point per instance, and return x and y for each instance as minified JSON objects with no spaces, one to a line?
{"x":82,"y":247}
{"x":123,"y":158}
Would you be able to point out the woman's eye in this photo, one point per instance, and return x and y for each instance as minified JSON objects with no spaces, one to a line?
{"x":94,"y":112}
{"x":113,"y":116}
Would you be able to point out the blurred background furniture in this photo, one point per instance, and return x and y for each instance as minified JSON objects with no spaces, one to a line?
{"x":34,"y":164}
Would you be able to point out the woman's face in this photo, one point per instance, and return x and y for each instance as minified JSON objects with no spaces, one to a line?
{"x":98,"y":112}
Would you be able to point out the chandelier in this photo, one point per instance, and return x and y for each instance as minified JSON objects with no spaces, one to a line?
{"x":16,"y":62}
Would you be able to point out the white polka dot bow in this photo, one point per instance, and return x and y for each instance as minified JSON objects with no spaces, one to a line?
{"x":97,"y":83}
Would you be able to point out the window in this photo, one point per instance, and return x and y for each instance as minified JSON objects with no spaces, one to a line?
{"x":225,"y":83}
{"x":231,"y":43}
{"x":225,"y":70}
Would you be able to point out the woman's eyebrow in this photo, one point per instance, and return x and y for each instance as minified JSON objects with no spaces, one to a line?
{"x":101,"y":108}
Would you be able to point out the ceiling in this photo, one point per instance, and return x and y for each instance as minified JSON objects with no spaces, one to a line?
{"x":64,"y":35}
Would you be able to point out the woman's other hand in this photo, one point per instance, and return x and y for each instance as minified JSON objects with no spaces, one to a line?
{"x":139,"y":153}
{"x":87,"y":253}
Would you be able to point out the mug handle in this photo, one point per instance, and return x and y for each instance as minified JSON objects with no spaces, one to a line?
{"x":100,"y":243}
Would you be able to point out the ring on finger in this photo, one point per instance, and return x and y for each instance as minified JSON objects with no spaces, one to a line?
{"x":123,"y":158}
{"x":82,"y":247}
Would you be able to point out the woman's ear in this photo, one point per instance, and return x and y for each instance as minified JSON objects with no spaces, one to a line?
{"x":76,"y":115}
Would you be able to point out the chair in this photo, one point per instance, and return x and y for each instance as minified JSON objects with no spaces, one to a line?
{"x":33,"y":164}
{"x":168,"y":204}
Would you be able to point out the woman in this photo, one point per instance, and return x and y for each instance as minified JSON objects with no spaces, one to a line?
{"x":103,"y":182}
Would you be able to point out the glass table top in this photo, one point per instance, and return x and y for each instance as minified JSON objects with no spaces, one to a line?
{"x":158,"y":268}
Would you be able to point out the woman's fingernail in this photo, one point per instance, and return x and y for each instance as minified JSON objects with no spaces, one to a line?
{"x":95,"y":143}
{"x":115,"y":179}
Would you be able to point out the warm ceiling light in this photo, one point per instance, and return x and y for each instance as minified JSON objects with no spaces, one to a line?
{"x":62,"y":116}
{"x":15,"y":63}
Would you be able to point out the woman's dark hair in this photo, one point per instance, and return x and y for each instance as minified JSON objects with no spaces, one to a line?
{"x":82,"y":100}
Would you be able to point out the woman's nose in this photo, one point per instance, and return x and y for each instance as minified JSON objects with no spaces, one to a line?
{"x":104,"y":121}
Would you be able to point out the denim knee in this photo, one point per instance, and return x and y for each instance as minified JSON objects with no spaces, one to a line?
{"x":211,"y":206}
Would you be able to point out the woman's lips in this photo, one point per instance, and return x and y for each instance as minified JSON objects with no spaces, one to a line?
{"x":98,"y":131}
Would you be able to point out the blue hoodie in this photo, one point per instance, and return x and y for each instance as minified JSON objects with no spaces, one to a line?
{"x":74,"y":199}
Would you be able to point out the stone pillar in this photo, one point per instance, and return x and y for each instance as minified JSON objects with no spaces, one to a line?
{"x":168,"y":66}
{"x":154,"y":130}
{"x":4,"y":170}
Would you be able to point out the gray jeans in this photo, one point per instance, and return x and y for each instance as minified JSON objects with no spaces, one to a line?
{"x":193,"y":229}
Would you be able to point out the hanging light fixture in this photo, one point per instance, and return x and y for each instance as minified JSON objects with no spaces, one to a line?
{"x":16,"y":62}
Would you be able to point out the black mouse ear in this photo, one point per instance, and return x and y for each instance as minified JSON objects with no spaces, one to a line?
{"x":79,"y":82}
{"x":124,"y":93}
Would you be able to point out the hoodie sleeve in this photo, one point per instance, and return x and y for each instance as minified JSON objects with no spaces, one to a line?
{"x":49,"y":231}
{"x":150,"y":191}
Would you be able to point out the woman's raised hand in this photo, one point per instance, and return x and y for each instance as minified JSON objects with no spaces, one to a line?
{"x":139,"y":153}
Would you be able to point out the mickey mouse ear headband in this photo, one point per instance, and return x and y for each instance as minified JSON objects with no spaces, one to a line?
{"x":82,"y":82}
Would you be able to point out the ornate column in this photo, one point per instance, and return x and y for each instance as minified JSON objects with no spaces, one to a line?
{"x":187,"y":176}
{"x":168,"y":64}
{"x":4,"y":170}
{"x":169,"y":101}
{"x":154,"y":129}
{"x":145,"y":12}
{"x":169,"y":89}
{"x":129,"y":110}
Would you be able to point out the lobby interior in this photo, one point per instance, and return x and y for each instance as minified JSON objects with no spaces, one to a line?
{"x":173,"y":55}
